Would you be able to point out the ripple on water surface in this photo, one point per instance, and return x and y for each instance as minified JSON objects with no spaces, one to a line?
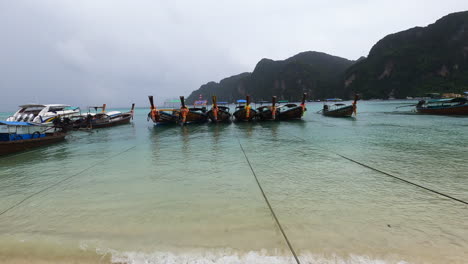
{"x":144,"y":194}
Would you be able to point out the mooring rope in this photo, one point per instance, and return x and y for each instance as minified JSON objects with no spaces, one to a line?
{"x":390,"y":175}
{"x":269,"y":205}
{"x":59,"y":182}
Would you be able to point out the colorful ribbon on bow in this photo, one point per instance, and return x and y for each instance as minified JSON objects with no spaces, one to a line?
{"x":184,"y":111}
{"x":215,"y":112}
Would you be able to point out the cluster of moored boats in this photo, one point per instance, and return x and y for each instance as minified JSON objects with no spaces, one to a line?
{"x":35,"y":125}
{"x":220,"y":112}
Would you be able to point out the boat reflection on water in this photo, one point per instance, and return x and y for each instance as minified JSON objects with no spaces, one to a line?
{"x":245,"y":128}
{"x":218,"y":132}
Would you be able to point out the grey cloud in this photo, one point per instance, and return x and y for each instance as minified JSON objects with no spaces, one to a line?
{"x":117,"y":52}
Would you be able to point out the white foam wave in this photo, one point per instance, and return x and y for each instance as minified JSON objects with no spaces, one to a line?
{"x":231,"y":257}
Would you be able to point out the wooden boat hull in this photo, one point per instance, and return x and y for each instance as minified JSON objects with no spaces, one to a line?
{"x":345,"y":111}
{"x":448,"y":110}
{"x":164,"y":118}
{"x":266,"y":115}
{"x":241,"y":115}
{"x":85,"y":123}
{"x":194,"y":117}
{"x":9,"y":147}
{"x":223,"y":116}
{"x":125,"y":119}
{"x":293,"y":113}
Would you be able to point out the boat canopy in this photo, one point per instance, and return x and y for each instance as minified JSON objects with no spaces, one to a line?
{"x":32,"y":105}
{"x":44,"y":105}
{"x":334,"y":100}
{"x":16,"y":123}
{"x":241,"y":101}
{"x":222,"y":102}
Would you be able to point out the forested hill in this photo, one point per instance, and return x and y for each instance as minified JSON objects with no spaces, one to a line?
{"x":416,"y":61}
{"x":409,"y":63}
{"x":318,"y":74}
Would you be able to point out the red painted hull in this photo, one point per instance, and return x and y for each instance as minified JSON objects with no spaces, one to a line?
{"x":449,"y":110}
{"x":9,"y":147}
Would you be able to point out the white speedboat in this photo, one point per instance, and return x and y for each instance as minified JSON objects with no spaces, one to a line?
{"x":39,"y":113}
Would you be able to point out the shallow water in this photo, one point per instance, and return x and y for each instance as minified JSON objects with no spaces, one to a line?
{"x":144,"y":194}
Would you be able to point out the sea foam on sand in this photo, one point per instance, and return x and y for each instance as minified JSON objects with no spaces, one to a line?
{"x":231,"y":257}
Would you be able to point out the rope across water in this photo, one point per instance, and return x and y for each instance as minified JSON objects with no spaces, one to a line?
{"x":269,"y":205}
{"x":390,"y":175}
{"x":63,"y":180}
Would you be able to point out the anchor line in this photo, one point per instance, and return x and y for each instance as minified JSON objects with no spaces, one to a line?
{"x":391,"y":175}
{"x":269,"y":205}
{"x":63,"y":180}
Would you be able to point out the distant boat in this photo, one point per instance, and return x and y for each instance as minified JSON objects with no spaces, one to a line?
{"x":19,"y":136}
{"x":104,"y":119}
{"x":219,"y":113}
{"x":454,"y":106}
{"x":244,"y":111}
{"x":191,"y":115}
{"x":266,"y":112}
{"x":43,"y":113}
{"x":339,"y":109}
{"x":162,"y":116}
{"x":292,"y":111}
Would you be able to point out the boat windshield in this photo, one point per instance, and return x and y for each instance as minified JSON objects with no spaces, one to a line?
{"x":54,"y":109}
{"x":31,"y":110}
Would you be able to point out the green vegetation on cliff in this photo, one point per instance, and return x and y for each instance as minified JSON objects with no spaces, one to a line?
{"x":409,"y":63}
{"x":318,"y":74}
{"x":416,"y":61}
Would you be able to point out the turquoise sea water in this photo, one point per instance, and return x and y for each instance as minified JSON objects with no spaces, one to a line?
{"x":143,"y":194}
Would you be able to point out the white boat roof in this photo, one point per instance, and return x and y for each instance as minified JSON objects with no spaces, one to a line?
{"x":43,"y":105}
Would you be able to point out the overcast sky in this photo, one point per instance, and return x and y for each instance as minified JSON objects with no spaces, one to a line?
{"x":90,"y":52}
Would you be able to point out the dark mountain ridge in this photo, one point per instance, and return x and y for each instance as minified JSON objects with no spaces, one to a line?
{"x":315,"y":73}
{"x":413,"y":62}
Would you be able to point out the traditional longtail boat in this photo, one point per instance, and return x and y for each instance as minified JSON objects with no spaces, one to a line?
{"x":104,"y":119}
{"x":191,"y":115}
{"x":19,"y":136}
{"x":162,"y":116}
{"x":244,"y":111}
{"x":268,"y":112}
{"x":292,"y":111}
{"x":454,"y":106}
{"x":219,"y":113}
{"x":339,"y":109}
